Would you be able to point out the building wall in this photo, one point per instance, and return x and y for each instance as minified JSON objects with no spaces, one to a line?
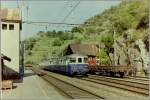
{"x":10,"y":45}
{"x":92,"y":60}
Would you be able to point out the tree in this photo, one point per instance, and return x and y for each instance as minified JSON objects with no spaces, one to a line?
{"x":77,"y":29}
{"x":108,"y":41}
{"x":59,"y":33}
{"x":57,"y":42}
{"x":104,"y":58}
{"x":29,"y":44}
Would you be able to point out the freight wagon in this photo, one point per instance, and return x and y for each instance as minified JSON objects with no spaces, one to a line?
{"x":112,"y":70}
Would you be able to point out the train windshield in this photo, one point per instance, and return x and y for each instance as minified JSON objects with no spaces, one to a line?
{"x":72,"y":60}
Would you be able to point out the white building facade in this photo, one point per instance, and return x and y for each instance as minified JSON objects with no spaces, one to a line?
{"x":10,"y":36}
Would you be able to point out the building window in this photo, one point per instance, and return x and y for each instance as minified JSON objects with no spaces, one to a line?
{"x":11,"y":26}
{"x":4,"y":26}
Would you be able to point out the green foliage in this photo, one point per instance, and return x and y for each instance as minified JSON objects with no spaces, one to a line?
{"x":130,"y":14}
{"x":66,"y":36}
{"x":103,"y":57}
{"x":108,"y":40}
{"x":29,"y":62}
{"x":50,"y":34}
{"x":77,"y":29}
{"x":29,"y":44}
{"x":57,"y":42}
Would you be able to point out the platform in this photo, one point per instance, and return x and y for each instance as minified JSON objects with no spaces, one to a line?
{"x":32,"y":87}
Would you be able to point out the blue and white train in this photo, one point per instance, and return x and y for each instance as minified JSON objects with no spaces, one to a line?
{"x":74,"y":64}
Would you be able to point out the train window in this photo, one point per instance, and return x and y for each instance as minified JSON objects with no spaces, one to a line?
{"x":85,"y":59}
{"x":4,"y":26}
{"x":72,"y":60}
{"x":79,"y":60}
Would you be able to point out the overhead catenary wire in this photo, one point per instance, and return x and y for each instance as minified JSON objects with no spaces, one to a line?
{"x":50,"y":23}
{"x":47,"y":24}
{"x":27,"y":8}
{"x":64,"y":8}
{"x":71,"y":11}
{"x":18,"y":6}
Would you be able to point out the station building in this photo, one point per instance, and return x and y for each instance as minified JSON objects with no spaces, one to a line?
{"x":11,"y":26}
{"x":89,"y":50}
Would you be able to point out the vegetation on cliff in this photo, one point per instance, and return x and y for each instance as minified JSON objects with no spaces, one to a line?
{"x":100,"y":29}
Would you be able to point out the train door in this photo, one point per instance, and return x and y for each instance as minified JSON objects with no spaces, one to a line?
{"x":71,"y":65}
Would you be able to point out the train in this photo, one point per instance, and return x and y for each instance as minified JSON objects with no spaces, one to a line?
{"x":76,"y":64}
{"x":71,"y":65}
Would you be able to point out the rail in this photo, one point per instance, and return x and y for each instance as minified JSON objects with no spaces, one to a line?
{"x":139,"y":88}
{"x":67,"y":89}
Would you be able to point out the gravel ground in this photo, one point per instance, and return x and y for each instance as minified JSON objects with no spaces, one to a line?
{"x":107,"y":92}
{"x":34,"y":87}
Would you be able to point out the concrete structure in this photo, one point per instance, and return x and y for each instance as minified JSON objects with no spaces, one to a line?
{"x":10,"y":36}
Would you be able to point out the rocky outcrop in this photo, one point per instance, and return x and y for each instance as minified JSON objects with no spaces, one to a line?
{"x":128,"y":52}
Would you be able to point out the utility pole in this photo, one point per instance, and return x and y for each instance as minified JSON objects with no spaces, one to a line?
{"x":114,"y":54}
{"x":99,"y":50}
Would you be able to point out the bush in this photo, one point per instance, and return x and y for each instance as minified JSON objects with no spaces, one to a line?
{"x":103,"y":57}
{"x":77,"y":29}
{"x":57,"y":42}
{"x":29,"y":44}
{"x":66,"y":36}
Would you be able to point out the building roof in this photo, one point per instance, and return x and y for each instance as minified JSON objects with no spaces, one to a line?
{"x":83,"y":49}
{"x":76,"y":55}
{"x":10,"y":15}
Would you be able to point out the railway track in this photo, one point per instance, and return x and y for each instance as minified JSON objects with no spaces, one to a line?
{"x":68,"y":90}
{"x":145,"y":79}
{"x":133,"y":87}
{"x":139,"y":78}
{"x":136,"y":87}
{"x":126,"y":79}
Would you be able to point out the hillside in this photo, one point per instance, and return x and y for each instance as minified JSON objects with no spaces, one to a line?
{"x":123,"y":27}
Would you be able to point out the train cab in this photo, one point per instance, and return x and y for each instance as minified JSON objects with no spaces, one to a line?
{"x":77,"y":64}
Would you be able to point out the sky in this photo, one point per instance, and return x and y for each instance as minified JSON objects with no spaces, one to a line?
{"x":55,"y":11}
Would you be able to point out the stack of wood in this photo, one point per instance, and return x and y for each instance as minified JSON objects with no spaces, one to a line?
{"x":6,"y":84}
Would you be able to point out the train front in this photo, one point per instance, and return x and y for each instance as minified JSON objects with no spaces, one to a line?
{"x":77,"y":65}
